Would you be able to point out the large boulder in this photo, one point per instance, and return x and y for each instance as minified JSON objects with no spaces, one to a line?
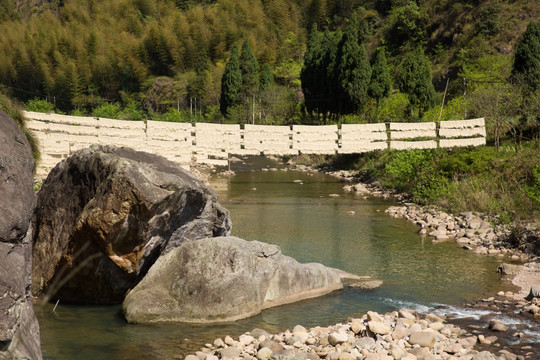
{"x":105,"y":214}
{"x":225,"y":279}
{"x":19,"y":329}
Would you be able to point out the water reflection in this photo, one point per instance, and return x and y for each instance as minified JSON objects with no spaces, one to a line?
{"x":309,"y":225}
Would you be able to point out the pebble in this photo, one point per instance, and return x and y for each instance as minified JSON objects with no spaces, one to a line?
{"x":496,"y":325}
{"x":396,"y":335}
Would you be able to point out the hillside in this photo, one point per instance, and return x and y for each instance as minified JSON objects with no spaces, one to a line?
{"x":163,"y":58}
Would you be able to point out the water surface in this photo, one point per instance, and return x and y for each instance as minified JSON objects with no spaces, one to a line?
{"x":301,"y":213}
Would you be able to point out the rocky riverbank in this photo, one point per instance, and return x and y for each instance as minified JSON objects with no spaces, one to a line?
{"x":473,"y":231}
{"x":497,"y":329}
{"x":403,"y":334}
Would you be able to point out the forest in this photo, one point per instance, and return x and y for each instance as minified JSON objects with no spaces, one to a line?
{"x":302,"y":62}
{"x":275,"y":61}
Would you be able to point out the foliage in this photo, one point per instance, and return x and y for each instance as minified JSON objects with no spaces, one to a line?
{"x":498,"y":103}
{"x":415,"y":80}
{"x":266,"y":78}
{"x":319,"y":77}
{"x":287,"y":72}
{"x":249,"y":68}
{"x":278,"y":105}
{"x":108,"y":110}
{"x":7,"y":10}
{"x":132,"y":111}
{"x":455,"y":109}
{"x":161,"y":93}
{"x":83,"y":53}
{"x":485,"y":71}
{"x":231,"y":82}
{"x":533,"y":190}
{"x":39,"y":105}
{"x":488,"y":19}
{"x":168,"y":53}
{"x":392,"y":108}
{"x":336,"y":72}
{"x":402,"y":167}
{"x":380,"y":83}
{"x":173,"y":115}
{"x":506,"y":184}
{"x":353,"y":69}
{"x":308,"y":76}
{"x":407,"y":26}
{"x":526,"y":67}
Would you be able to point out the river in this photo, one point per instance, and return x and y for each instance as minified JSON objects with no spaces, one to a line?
{"x":313,"y":220}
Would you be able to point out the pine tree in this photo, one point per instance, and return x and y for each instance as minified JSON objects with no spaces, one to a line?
{"x":526,"y":69}
{"x":328,"y":89}
{"x":266,"y":78}
{"x":310,"y":71}
{"x":197,"y":87}
{"x":380,"y":84}
{"x":415,"y":80}
{"x":250,"y":71}
{"x":231,"y":82}
{"x":353,"y":70}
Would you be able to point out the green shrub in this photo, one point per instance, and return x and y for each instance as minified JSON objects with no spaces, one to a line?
{"x":533,"y":190}
{"x":430,"y":187}
{"x":403,"y":167}
{"x":173,"y":115}
{"x":213,"y":115}
{"x":39,"y":105}
{"x":108,"y":110}
{"x":78,"y":112}
{"x":505,"y":183}
{"x":453,"y":109}
{"x":460,"y":162}
{"x":393,"y":108}
{"x":488,"y":20}
{"x":132,"y":111}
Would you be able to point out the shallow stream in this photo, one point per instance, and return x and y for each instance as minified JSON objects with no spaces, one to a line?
{"x":313,"y":220}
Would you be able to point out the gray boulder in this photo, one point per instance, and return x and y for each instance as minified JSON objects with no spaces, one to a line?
{"x":509,"y":269}
{"x":496,"y":325}
{"x":225,"y":279}
{"x":105,"y":214}
{"x":19,"y":329}
{"x":422,"y":338}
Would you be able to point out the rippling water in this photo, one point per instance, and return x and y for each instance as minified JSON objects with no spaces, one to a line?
{"x":301,"y":213}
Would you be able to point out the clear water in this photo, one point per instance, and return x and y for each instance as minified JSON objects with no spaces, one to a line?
{"x":309,"y":224}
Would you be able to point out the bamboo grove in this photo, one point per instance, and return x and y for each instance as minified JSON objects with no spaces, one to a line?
{"x":292,"y":61}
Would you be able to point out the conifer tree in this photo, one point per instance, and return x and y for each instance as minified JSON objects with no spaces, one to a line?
{"x":310,"y":71}
{"x":415,"y":80}
{"x":197,"y":87}
{"x":353,"y":70}
{"x":266,"y":77}
{"x":250,"y":71}
{"x":231,"y":82}
{"x":380,"y":84}
{"x":327,"y":79}
{"x":526,"y":69}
